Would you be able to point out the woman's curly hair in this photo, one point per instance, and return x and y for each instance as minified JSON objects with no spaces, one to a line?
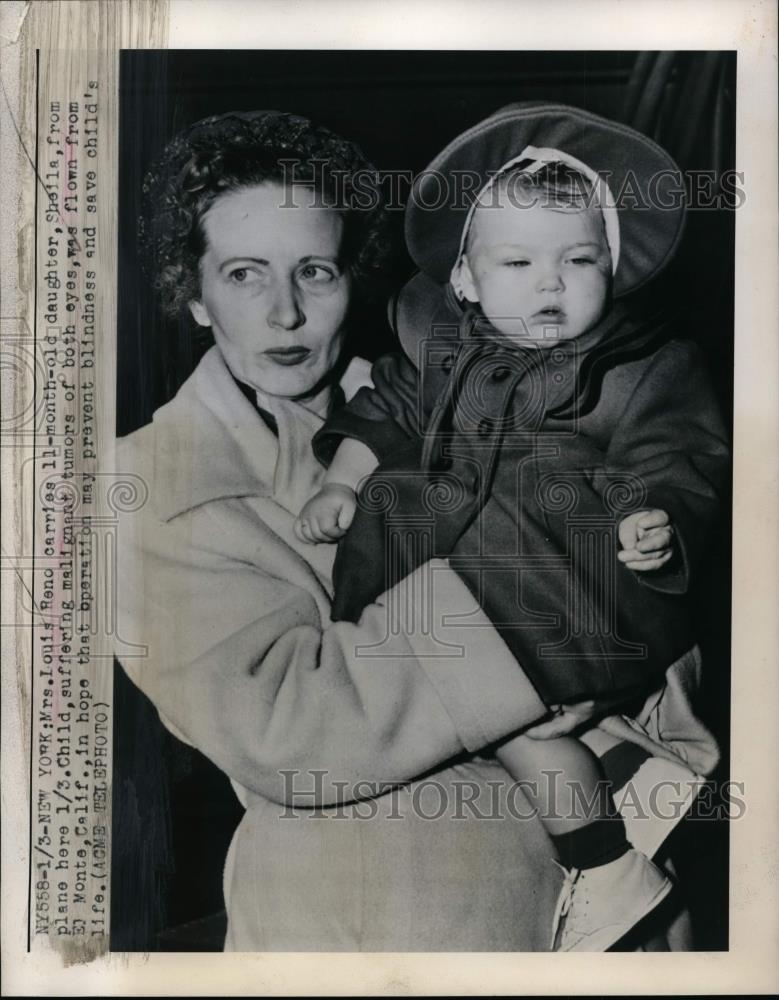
{"x":237,"y":150}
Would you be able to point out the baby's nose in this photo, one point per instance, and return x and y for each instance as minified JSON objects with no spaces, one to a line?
{"x":551,"y":280}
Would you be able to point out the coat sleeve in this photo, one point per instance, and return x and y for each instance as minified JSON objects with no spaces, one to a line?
{"x":290,"y":705}
{"x":383,"y":417}
{"x":672,"y":438}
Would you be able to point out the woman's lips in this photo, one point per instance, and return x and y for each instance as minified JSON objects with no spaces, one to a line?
{"x":288,"y":356}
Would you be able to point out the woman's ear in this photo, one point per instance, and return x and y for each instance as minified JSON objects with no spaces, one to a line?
{"x":467,"y":284}
{"x":200,"y":313}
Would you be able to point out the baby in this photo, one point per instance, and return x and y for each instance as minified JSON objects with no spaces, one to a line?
{"x":535,"y":270}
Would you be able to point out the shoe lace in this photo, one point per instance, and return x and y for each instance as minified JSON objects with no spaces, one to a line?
{"x":564,"y":900}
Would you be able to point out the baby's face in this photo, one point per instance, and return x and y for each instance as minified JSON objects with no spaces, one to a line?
{"x":540,"y":274}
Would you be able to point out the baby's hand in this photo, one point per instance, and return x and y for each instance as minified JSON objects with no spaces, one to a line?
{"x":327,"y":514}
{"x":646,"y":538}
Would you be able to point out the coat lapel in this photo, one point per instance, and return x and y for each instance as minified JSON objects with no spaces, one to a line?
{"x":211,"y":444}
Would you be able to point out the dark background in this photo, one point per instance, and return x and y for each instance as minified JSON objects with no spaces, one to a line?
{"x":173,"y":812}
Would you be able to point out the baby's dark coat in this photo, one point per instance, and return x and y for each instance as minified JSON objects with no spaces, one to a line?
{"x":526,"y":462}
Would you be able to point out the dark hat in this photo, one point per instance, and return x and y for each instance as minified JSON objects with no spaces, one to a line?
{"x":643,"y":179}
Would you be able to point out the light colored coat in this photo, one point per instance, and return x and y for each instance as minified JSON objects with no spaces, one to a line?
{"x":244,"y":663}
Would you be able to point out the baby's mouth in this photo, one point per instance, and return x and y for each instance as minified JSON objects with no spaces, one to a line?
{"x":551,"y":314}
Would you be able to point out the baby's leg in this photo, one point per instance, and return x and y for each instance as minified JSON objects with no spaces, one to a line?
{"x":609,"y":886}
{"x":564,"y":781}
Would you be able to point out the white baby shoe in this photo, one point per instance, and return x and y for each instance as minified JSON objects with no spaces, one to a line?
{"x":598,"y":906}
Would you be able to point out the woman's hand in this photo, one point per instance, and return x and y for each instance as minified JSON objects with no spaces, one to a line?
{"x":566,"y":718}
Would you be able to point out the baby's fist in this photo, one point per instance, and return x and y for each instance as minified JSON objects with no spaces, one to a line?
{"x":646,"y":538}
{"x":327,"y":515}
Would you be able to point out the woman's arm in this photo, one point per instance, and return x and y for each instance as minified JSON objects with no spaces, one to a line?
{"x":241,"y":661}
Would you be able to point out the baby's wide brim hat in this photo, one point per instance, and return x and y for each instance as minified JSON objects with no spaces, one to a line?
{"x":642,"y":180}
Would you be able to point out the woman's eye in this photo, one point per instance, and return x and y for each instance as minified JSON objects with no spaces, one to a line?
{"x":240,"y":275}
{"x":317,"y":273}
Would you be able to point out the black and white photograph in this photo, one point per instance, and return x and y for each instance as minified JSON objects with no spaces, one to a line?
{"x":425,"y":359}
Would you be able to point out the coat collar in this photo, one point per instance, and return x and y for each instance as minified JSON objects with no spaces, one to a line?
{"x":572,"y":371}
{"x":210,"y":443}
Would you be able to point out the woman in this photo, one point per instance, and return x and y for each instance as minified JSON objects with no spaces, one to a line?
{"x":369,"y":824}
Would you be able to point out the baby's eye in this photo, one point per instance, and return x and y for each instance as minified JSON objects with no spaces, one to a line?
{"x":519,"y":262}
{"x":582,"y":260}
{"x":317,"y":274}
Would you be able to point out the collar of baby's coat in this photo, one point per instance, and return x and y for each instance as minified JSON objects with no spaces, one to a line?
{"x":569,"y":364}
{"x":561,"y":361}
{"x":211,"y":444}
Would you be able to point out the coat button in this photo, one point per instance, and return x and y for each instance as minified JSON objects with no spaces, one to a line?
{"x":500,"y":374}
{"x":485,"y":427}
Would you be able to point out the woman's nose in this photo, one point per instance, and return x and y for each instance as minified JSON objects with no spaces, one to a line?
{"x":285,"y":312}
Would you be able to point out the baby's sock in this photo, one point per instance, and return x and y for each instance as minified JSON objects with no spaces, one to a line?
{"x":595,"y":843}
{"x":621,"y":762}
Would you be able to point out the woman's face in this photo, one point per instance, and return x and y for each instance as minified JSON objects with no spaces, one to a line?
{"x":273,"y":287}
